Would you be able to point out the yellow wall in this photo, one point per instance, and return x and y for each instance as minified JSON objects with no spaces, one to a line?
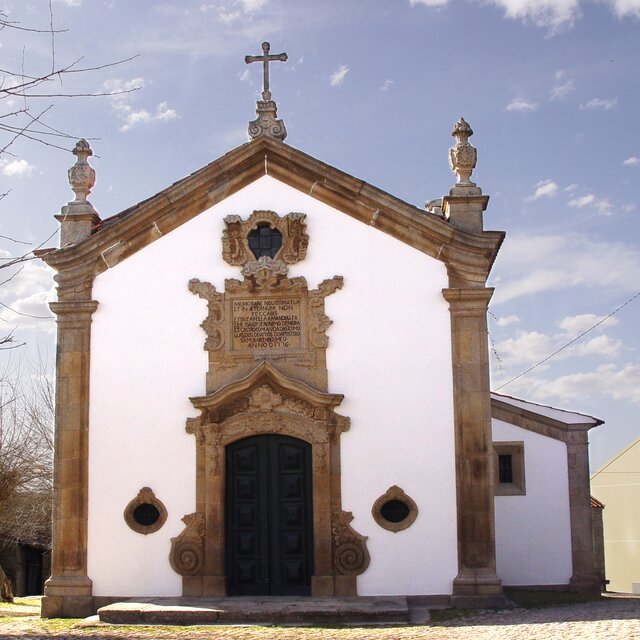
{"x":617,"y":486}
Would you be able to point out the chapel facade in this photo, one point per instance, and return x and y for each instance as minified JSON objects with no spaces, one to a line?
{"x":273,"y":379}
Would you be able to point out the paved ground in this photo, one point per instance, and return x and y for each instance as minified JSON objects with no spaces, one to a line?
{"x":612,"y":618}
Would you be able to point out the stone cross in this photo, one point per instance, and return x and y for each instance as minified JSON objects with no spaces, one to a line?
{"x":266,"y":59}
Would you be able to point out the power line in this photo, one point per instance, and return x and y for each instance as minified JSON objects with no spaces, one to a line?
{"x":557,"y":351}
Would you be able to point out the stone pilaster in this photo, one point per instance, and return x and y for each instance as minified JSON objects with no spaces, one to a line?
{"x":68,"y":590}
{"x":585,"y":578}
{"x":476,"y":583}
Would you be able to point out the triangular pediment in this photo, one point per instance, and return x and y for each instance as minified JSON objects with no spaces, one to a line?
{"x":468,"y":256}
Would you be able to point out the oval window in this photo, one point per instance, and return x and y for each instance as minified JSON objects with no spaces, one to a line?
{"x":145,"y":513}
{"x":394,"y":510}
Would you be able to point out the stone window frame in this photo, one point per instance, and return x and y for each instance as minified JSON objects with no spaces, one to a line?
{"x":145,"y":496}
{"x":394,"y":493}
{"x":515,"y":449}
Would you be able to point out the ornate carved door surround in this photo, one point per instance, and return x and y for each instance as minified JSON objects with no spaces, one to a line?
{"x":267,"y":375}
{"x":268,"y":402}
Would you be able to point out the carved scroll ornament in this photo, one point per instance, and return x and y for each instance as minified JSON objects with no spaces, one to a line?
{"x":292,"y":227}
{"x":187,"y":549}
{"x":350,"y":553}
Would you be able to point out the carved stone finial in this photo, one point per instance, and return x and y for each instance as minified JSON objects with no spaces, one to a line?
{"x":78,"y":217}
{"x":267,"y":123}
{"x":464,"y":205}
{"x":82,"y":177}
{"x":463,"y":156}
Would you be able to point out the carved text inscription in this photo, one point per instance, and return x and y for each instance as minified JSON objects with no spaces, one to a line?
{"x":266,"y":324}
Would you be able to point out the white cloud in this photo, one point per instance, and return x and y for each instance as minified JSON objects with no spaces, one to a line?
{"x":519,"y":104}
{"x":575,"y":325}
{"x":600,"y":103}
{"x":428,"y":3}
{"x":554,"y":15}
{"x":619,"y":382}
{"x":388,"y":83}
{"x":226,"y":16}
{"x":132,"y":117}
{"x":16,"y":168}
{"x":121,"y":88}
{"x":532,"y":264}
{"x":245,"y":75}
{"x":338,"y":76}
{"x":505,"y":321}
{"x":559,"y":92}
{"x":528,"y":347}
{"x":71,"y":3}
{"x":571,"y":188}
{"x":624,"y":8}
{"x":28,"y":294}
{"x":546,"y":188}
{"x":164,"y":113}
{"x":252,"y":5}
{"x":631,"y":161}
{"x":602,"y":205}
{"x":583,"y":201}
{"x":603,"y":346}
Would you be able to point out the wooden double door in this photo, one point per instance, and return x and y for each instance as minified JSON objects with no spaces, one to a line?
{"x":269,"y":516}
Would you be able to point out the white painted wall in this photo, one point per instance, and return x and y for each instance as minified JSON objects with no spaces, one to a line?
{"x":533,"y":532}
{"x":389,"y":354}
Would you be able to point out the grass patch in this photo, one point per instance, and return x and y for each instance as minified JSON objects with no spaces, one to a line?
{"x":539,"y":599}
{"x":21,"y":606}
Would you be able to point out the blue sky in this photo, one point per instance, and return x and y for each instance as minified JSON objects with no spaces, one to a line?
{"x":551,"y":89}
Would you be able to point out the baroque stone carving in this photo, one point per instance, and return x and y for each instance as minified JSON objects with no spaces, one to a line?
{"x":350,"y":553}
{"x":145,"y":497}
{"x":463,"y":156}
{"x":394,"y":493}
{"x":264,"y":399}
{"x":267,"y":316}
{"x":292,"y":227}
{"x":266,"y":123}
{"x":187,"y":555}
{"x":82,"y":176}
{"x":267,"y":401}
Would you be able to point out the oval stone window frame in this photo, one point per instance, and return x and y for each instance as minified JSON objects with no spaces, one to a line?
{"x":392,"y":494}
{"x":145,"y":496}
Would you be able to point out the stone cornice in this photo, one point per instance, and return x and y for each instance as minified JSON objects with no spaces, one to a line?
{"x":468,"y":299}
{"x":543,"y":425}
{"x":74,"y":308}
{"x":468,"y":256}
{"x":266,"y":372}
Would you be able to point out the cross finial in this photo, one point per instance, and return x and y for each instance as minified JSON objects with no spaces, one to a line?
{"x":266,"y":124}
{"x":265,"y":58}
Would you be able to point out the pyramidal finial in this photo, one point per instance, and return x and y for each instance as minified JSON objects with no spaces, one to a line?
{"x":267,"y":123}
{"x":463,"y":156}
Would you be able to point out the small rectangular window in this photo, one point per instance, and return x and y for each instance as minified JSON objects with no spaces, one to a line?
{"x":509,"y":469}
{"x":505,"y":468}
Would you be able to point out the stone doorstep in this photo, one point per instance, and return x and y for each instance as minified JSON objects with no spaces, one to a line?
{"x":258,"y":610}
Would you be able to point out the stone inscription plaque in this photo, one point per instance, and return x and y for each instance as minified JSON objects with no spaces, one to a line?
{"x":266,"y":324}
